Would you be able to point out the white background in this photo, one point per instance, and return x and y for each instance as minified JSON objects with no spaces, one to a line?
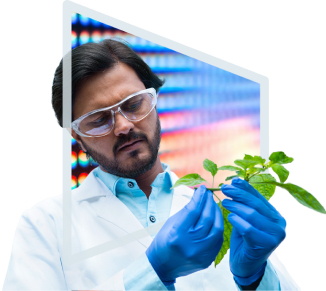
{"x":282,"y":40}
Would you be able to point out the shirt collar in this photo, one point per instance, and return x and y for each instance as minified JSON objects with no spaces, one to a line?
{"x":113,"y":182}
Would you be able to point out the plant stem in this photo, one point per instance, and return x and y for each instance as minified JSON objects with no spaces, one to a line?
{"x":214,"y":189}
{"x":219,"y":200}
{"x":263,"y":169}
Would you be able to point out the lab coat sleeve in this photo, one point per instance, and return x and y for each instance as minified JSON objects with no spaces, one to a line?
{"x":36,"y":259}
{"x":35,"y":262}
{"x":276,"y":277}
{"x":270,"y":280}
{"x":140,"y":275}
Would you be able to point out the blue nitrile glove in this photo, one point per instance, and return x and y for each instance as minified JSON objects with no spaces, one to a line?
{"x":189,"y":240}
{"x":258,"y":229}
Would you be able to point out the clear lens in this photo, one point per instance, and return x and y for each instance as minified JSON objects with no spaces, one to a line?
{"x":97,"y":123}
{"x":133,"y":109}
{"x":137,"y":107}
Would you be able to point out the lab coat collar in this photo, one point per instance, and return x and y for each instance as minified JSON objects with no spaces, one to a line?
{"x":109,"y":207}
{"x":90,"y":188}
{"x":93,"y":187}
{"x":115,"y":212}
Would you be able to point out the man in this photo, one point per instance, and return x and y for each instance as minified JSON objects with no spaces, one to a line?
{"x":115,"y":122}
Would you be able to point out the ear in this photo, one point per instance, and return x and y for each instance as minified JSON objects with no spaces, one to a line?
{"x":78,"y":139}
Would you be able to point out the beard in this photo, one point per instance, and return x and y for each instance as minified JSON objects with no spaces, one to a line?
{"x":138,"y":166}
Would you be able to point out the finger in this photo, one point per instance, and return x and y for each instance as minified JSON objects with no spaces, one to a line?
{"x":211,"y":221}
{"x":207,"y":216}
{"x":252,"y":216}
{"x":218,"y":224}
{"x":246,"y":198}
{"x":256,"y":239}
{"x":244,"y":185}
{"x":191,"y":213}
{"x":213,"y":240}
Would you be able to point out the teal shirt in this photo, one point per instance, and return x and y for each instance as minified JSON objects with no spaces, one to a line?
{"x":155,"y":208}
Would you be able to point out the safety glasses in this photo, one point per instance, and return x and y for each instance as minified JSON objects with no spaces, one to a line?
{"x":100,"y":122}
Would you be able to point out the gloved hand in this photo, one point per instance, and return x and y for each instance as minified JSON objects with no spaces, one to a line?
{"x":189,"y":240}
{"x":258,"y":229}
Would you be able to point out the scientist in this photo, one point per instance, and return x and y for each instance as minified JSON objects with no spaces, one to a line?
{"x":114,"y":95}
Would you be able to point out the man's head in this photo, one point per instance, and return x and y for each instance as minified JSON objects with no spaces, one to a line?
{"x":92,"y":58}
{"x":103,"y":75}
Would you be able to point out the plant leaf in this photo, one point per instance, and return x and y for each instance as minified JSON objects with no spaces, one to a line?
{"x":229,"y":168}
{"x":241,"y":173}
{"x":302,"y":196}
{"x":259,"y":182}
{"x":226,"y":235}
{"x":281,"y":172}
{"x":257,"y":159}
{"x":280,"y":158}
{"x":245,"y":164}
{"x":189,"y":180}
{"x":210,"y":167}
{"x":255,"y":170}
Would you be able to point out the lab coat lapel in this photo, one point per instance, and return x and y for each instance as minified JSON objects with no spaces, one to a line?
{"x":110,"y":208}
{"x":182,"y":195}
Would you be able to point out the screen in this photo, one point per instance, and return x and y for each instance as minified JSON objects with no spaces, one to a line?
{"x":205,"y":112}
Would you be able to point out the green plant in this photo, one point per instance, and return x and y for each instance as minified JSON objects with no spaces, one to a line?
{"x":252,"y":169}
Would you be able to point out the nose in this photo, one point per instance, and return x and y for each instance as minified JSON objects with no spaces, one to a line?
{"x":122,"y":125}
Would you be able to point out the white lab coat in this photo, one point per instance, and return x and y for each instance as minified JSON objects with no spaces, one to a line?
{"x":98,"y":218}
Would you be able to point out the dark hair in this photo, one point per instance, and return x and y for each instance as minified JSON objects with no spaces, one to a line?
{"x":92,"y":58}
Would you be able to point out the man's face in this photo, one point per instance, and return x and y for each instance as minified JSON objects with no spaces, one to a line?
{"x":131,"y":148}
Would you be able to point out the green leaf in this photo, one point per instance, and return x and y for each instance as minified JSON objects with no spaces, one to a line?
{"x":257,"y":159}
{"x":281,"y":172}
{"x":226,"y":235}
{"x":302,"y":196}
{"x":280,"y":158}
{"x":241,"y":173}
{"x":210,"y":167}
{"x":229,"y":168}
{"x":245,"y":164}
{"x":254,"y":170}
{"x":189,"y":180}
{"x":259,"y":182}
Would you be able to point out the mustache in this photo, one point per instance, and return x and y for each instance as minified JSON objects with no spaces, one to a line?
{"x":128,"y":138}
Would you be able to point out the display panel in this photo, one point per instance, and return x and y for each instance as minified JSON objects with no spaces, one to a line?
{"x":205,"y":112}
